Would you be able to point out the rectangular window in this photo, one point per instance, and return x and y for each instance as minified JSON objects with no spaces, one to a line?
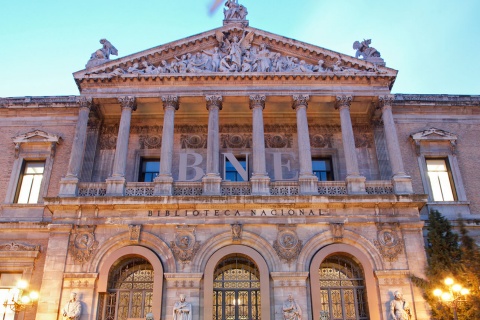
{"x":7,"y":282}
{"x":322,"y":168}
{"x":149,"y":169}
{"x":440,"y":179}
{"x":30,"y":182}
{"x":231,"y":173}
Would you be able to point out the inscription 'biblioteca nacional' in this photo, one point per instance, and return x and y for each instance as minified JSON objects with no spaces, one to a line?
{"x":238,"y":213}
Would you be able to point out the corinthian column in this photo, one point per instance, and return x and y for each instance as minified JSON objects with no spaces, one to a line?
{"x":307,"y":181}
{"x":116,"y":183}
{"x":211,"y":180}
{"x":402,"y":184}
{"x":69,"y":184}
{"x":260,"y":180}
{"x":164,"y":181}
{"x":355,"y":182}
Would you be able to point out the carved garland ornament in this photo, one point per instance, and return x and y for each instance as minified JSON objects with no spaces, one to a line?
{"x":83,"y":244}
{"x":16,"y":246}
{"x":185,"y":246}
{"x":193,"y":141}
{"x":150,"y":141}
{"x":287,"y":245}
{"x":388,"y":241}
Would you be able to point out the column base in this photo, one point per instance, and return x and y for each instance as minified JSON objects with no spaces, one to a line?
{"x":211,"y":185}
{"x":68,"y":187}
{"x":402,"y":184}
{"x":163,"y":185}
{"x":115,"y":186}
{"x":356,"y":184}
{"x":260,"y":185}
{"x":308,"y":185}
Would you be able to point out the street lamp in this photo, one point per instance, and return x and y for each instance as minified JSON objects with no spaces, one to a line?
{"x":21,"y":298}
{"x":456,"y":293}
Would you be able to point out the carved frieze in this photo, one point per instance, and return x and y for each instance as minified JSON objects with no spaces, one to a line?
{"x":150,"y":141}
{"x":134,"y":232}
{"x":188,"y":128}
{"x":278,"y":140}
{"x":237,"y":229}
{"x":287,"y":246}
{"x":321,"y":140}
{"x":236,"y":128}
{"x":83,"y":243}
{"x":363,"y":140}
{"x":236,"y":140}
{"x":185,"y":245}
{"x":193,"y":141}
{"x":17,"y":246}
{"x":280,"y":128}
{"x":389,"y":242}
{"x":108,"y":142}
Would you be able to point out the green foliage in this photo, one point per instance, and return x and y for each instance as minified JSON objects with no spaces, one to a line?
{"x":455,"y":256}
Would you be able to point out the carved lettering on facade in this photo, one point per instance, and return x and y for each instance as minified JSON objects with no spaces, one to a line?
{"x":83,"y":243}
{"x":185,"y":245}
{"x":388,"y":241}
{"x":287,"y":245}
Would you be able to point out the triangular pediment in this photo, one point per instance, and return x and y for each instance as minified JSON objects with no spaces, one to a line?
{"x":234,"y":50}
{"x":433,"y":134}
{"x":36,"y":136}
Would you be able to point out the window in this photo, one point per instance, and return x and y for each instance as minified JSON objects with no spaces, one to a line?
{"x":7,"y":282}
{"x":235,"y":168}
{"x":439,"y":176}
{"x":149,"y":169}
{"x":322,"y":168}
{"x":30,"y":182}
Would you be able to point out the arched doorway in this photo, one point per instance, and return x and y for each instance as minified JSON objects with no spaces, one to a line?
{"x":236,"y":289}
{"x":343,"y":293}
{"x":129,"y":290}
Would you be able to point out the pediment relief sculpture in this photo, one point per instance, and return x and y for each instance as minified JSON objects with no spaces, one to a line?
{"x":37,"y":136}
{"x":434,"y":135}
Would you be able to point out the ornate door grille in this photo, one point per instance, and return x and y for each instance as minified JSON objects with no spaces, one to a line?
{"x":342,"y":289}
{"x":130,"y":291}
{"x":236,"y":290}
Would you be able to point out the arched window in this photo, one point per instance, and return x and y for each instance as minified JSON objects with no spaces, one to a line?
{"x":130,"y":290}
{"x":343,"y":294}
{"x":236,"y":290}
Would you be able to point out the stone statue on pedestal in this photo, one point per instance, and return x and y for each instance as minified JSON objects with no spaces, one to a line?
{"x":72,"y":309}
{"x":291,"y":309}
{"x":182,"y":310}
{"x":399,"y":308}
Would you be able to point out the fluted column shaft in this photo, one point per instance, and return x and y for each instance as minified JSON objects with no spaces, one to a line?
{"x":348,"y":139}
{"x":393,"y":147}
{"x":170,"y":105}
{"x":257,"y":104}
{"x":214,"y":105}
{"x":300,"y":104}
{"x":128,"y":105}
{"x":80,"y":139}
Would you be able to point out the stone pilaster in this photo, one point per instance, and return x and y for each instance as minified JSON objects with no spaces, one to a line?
{"x":355,"y":182}
{"x":260,"y":180}
{"x":211,"y":180}
{"x":187,"y":284}
{"x":164,"y":181}
{"x":402,"y":183}
{"x":69,"y":183}
{"x":306,"y":180}
{"x":52,"y":281}
{"x":290,"y":283}
{"x":116,"y":183}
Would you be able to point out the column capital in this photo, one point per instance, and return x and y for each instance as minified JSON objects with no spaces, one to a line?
{"x":214,"y":101}
{"x":300,"y":100}
{"x":85,"y":102}
{"x":257,"y":100}
{"x":343,"y":102}
{"x":170,"y":101}
{"x":128,"y":102}
{"x":385,"y":101}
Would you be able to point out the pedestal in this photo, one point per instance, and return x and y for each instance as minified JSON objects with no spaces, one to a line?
{"x":68,"y":187}
{"x":163,"y":185}
{"x":211,"y":185}
{"x":115,"y":186}
{"x":356,"y":185}
{"x":402,"y":184}
{"x":308,"y":185}
{"x":260,"y":185}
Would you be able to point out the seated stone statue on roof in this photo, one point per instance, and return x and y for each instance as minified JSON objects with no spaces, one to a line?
{"x":102,"y":55}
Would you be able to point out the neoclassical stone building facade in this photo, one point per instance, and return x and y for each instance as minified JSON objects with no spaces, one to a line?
{"x":235,"y":167}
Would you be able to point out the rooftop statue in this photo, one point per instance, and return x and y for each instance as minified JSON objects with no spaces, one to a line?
{"x":235,"y":10}
{"x":102,"y":55}
{"x":367,"y":53}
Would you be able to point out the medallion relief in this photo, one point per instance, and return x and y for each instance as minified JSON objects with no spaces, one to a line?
{"x":193,"y":141}
{"x":83,"y":244}
{"x":287,"y":245}
{"x":389,"y":241}
{"x":185,"y":245}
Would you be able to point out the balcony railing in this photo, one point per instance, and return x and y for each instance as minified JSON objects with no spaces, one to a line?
{"x":278,"y":188}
